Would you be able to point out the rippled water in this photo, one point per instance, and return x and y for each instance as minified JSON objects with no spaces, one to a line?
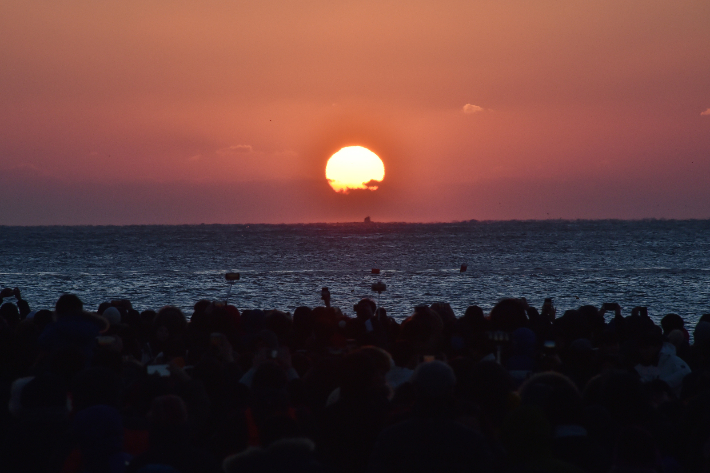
{"x":664,"y":265}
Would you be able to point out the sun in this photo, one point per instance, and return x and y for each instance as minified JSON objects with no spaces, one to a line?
{"x":354,"y":167}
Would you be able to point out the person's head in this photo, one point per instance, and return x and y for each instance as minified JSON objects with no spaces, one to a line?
{"x":303,"y":321}
{"x":10,"y":313}
{"x":423,"y":329}
{"x":701,"y":334}
{"x":445,"y":312}
{"x":365,"y":308}
{"x":671,"y":322}
{"x":382,"y":359}
{"x":169,"y":322}
{"x":102,"y":307}
{"x":556,"y":395}
{"x":68,"y":304}
{"x":112,"y":314}
{"x":649,"y":345}
{"x":281,"y":324}
{"x":42,"y":318}
{"x":474,"y":316}
{"x":433,"y":381}
{"x":508,"y":315}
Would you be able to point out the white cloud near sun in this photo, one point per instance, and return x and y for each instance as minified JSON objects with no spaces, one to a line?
{"x":706,"y":112}
{"x":470,"y":109}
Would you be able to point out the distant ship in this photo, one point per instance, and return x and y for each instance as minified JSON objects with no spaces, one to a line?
{"x":367,"y":220}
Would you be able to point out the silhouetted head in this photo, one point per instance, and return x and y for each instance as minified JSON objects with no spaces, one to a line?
{"x":365,"y":308}
{"x":112,"y":314}
{"x":102,"y":307}
{"x":434,"y":381}
{"x":508,"y":315}
{"x":701,"y":334}
{"x":650,"y":342}
{"x":672,"y":322}
{"x":169,"y":322}
{"x":67,"y":304}
{"x":303,"y":320}
{"x":556,"y":395}
{"x":474,"y":315}
{"x":281,"y":324}
{"x":10,"y":313}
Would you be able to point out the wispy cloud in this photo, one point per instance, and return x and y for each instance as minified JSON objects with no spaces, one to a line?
{"x":706,"y":112}
{"x":470,"y":108}
{"x":235,"y":149}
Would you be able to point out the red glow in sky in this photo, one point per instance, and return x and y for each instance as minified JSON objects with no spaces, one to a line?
{"x":216,"y":111}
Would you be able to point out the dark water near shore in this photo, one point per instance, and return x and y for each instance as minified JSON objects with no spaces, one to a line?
{"x":664,"y":265}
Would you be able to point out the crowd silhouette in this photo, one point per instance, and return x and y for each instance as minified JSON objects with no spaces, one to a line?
{"x":515,"y":390}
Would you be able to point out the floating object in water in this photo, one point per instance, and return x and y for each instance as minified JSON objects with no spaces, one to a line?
{"x":379,"y":287}
{"x":463,"y":268}
{"x":375,"y":271}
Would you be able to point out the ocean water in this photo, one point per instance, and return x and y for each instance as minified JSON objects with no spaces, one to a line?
{"x":664,"y":265}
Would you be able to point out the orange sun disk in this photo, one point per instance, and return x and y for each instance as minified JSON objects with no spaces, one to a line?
{"x":354,"y":167}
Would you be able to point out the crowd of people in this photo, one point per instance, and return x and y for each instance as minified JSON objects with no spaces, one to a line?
{"x":515,"y":390}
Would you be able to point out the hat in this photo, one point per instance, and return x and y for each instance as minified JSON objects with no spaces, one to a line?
{"x":113,"y":315}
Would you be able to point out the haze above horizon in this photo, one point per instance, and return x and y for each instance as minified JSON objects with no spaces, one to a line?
{"x":215,"y":112}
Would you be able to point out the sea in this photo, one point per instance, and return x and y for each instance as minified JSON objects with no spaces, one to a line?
{"x":661,"y":264}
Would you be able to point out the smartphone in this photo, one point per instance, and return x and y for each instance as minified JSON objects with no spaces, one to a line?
{"x":232,"y":276}
{"x":160,"y":370}
{"x":428,"y":358}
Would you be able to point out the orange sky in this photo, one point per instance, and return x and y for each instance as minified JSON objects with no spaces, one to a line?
{"x":158,"y":111}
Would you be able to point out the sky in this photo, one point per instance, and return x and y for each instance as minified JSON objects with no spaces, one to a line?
{"x":224,"y":111}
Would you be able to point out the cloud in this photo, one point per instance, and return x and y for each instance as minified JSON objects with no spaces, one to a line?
{"x":470,"y":108}
{"x":234,"y":149}
{"x":706,"y":112}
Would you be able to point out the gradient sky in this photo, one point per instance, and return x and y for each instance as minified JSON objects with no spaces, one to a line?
{"x":217,"y":111}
